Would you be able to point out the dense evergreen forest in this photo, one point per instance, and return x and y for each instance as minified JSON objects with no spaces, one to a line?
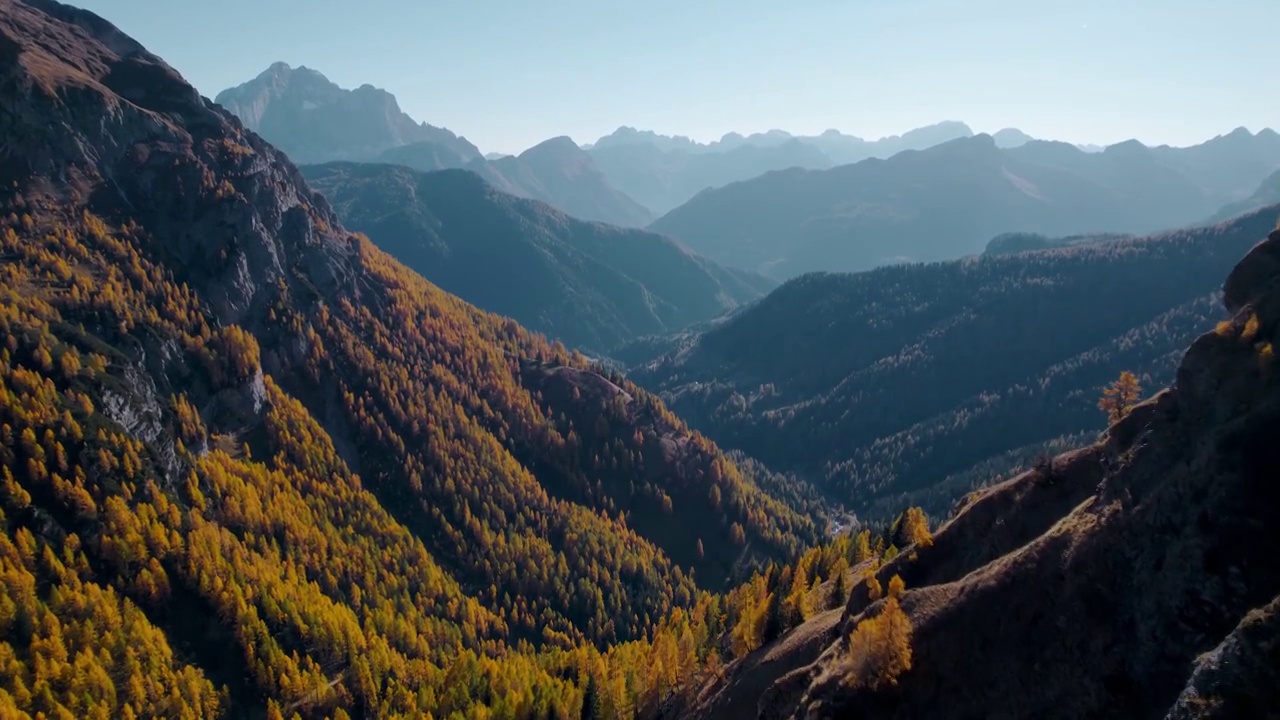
{"x":914,"y":384}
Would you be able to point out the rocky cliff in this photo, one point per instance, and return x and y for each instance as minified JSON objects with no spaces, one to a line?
{"x":314,"y":120}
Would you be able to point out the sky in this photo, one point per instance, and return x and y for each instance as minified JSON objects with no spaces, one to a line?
{"x":508,"y":74}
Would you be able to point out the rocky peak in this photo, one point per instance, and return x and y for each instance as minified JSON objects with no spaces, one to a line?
{"x":155,"y":158}
{"x":312,"y":119}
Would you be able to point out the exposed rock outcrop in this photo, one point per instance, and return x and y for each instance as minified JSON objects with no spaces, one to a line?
{"x":314,"y":120}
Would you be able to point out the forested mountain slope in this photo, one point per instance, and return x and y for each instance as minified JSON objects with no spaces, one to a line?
{"x":591,"y":285}
{"x":1134,"y":578}
{"x":252,"y":465}
{"x":913,"y":383}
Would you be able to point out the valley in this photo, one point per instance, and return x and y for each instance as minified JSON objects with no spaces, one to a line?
{"x":312,"y":409}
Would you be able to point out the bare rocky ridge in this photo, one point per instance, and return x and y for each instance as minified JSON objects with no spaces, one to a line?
{"x":1133,"y":579}
{"x":312,"y":119}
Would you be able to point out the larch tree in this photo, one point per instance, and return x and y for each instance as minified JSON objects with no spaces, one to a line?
{"x":1120,"y":396}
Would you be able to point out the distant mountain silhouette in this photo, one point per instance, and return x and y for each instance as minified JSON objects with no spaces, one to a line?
{"x":1267,"y":194}
{"x":1231,"y":164}
{"x":561,"y":174}
{"x":591,"y":285}
{"x":906,"y":385}
{"x":315,"y":121}
{"x":555,"y":171}
{"x":662,"y":172}
{"x":1011,"y":138}
{"x":661,"y":180}
{"x":947,"y":201}
{"x":312,"y":119}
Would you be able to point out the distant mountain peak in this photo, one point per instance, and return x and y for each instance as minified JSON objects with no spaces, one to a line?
{"x":561,"y":146}
{"x":1128,"y":146}
{"x":1011,"y":138}
{"x":314,"y":119}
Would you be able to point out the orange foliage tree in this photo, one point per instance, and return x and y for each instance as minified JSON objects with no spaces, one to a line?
{"x":1120,"y":396}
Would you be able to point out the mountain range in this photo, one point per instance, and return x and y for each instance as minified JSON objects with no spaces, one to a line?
{"x":252,"y":465}
{"x":313,"y":120}
{"x":665,"y":172}
{"x":949,"y":200}
{"x":912,"y":384}
{"x":591,"y":285}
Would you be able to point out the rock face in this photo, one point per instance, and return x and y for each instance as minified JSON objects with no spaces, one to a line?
{"x":1134,"y":579}
{"x":313,"y":120}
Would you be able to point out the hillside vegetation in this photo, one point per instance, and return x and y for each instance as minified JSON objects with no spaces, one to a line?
{"x":911,"y":384}
{"x":251,"y":465}
{"x":1133,"y":578}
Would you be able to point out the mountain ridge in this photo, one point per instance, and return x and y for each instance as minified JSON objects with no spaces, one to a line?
{"x":311,"y":118}
{"x":949,"y":200}
{"x":253,"y":466}
{"x":820,"y":361}
{"x":594,"y":287}
{"x":315,"y":121}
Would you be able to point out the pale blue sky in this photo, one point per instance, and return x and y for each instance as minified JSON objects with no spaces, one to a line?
{"x":510,"y":73}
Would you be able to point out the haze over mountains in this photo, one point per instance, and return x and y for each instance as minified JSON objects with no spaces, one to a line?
{"x":1268,"y":193}
{"x":664,"y":172}
{"x":783,"y":205}
{"x":314,"y":121}
{"x":949,"y":200}
{"x":591,"y":285}
{"x":255,"y":464}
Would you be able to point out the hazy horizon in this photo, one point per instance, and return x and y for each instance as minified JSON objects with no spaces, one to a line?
{"x":511,"y":74}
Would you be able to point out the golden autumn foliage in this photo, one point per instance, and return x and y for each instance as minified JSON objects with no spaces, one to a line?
{"x":912,"y":528}
{"x":1120,"y":396}
{"x":879,"y":648}
{"x":325,"y":587}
